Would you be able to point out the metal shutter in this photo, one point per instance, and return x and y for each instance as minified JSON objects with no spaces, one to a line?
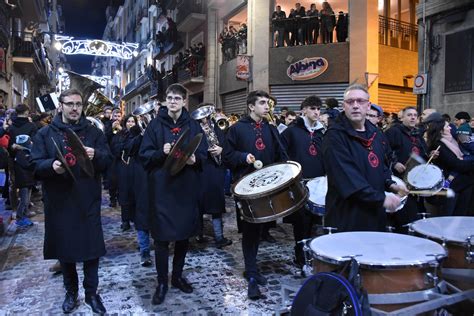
{"x":234,"y":102}
{"x":292,"y":95}
{"x":393,"y":99}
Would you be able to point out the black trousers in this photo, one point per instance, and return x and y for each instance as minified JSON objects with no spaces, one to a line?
{"x":162,"y":255}
{"x":91,"y":276}
{"x":250,"y":242}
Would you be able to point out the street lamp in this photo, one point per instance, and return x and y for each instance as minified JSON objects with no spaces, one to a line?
{"x":58,"y":45}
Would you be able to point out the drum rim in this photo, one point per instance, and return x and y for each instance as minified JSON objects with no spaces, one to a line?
{"x":272,"y":191}
{"x":440,"y":238}
{"x":379,"y":266}
{"x":436,"y":188}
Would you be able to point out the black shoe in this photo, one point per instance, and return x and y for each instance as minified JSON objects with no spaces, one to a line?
{"x":182,"y":284}
{"x":201,"y":239}
{"x":223,"y":242}
{"x":261,"y":280}
{"x":253,"y":291}
{"x":160,"y":294}
{"x":268,"y":238}
{"x":145,"y":259}
{"x":70,"y":302}
{"x":55,"y":268}
{"x":95,"y":303}
{"x":125,"y":226}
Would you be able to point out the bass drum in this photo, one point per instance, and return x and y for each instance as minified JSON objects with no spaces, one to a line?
{"x":270,"y":193}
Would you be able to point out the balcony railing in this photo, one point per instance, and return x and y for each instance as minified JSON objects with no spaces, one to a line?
{"x":187,"y":7}
{"x":398,"y":34}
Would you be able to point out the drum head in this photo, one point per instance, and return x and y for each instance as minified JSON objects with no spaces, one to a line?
{"x":267,"y":179}
{"x":450,"y":228}
{"x":425,"y":177}
{"x":318,"y":188}
{"x":376,"y":249}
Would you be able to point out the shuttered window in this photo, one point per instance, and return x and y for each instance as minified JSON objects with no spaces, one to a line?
{"x":292,"y":95}
{"x":234,"y":102}
{"x":393,"y":99}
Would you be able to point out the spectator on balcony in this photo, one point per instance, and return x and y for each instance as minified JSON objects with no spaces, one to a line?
{"x":300,"y":13}
{"x":342,"y":26}
{"x":328,"y":21}
{"x":222,"y":41}
{"x":292,"y":27}
{"x":312,"y":30}
{"x":160,"y":39}
{"x":172,"y":30}
{"x":242,"y":39}
{"x":278,"y":24}
{"x":201,"y":57}
{"x":232,"y":42}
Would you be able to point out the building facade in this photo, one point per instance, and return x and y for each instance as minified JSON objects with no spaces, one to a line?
{"x":28,"y":61}
{"x":446,"y":54}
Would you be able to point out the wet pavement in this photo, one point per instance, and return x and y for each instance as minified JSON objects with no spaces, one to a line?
{"x":27,"y":286}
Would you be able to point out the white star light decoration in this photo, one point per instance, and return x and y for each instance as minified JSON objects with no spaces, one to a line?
{"x":69,"y":46}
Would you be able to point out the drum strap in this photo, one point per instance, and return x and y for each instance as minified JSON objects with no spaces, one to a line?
{"x":355,"y":280}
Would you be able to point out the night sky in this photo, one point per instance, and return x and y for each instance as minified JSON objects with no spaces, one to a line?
{"x":83,"y":19}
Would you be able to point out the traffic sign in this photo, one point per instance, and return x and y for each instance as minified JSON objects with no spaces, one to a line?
{"x":419,"y":86}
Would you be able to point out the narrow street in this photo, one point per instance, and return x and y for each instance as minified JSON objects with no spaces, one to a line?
{"x":26,"y":285}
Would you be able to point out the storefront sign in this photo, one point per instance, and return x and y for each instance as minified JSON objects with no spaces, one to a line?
{"x":307,"y":68}
{"x":242,"y":71}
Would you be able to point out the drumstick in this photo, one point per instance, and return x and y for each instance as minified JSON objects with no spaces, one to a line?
{"x":449,"y":193}
{"x":432,"y":156}
{"x":257,"y":164}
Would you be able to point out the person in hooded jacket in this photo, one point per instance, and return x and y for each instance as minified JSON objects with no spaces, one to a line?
{"x":173,"y":199}
{"x":73,"y":228}
{"x":358,"y":177}
{"x":253,"y":138}
{"x":302,"y":141}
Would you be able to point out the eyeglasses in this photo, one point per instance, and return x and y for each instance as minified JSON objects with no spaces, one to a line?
{"x":175,"y":99}
{"x":372,"y":115}
{"x":359,"y":101}
{"x":72,"y":104}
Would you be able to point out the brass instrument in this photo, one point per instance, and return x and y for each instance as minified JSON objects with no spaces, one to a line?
{"x":145,"y":113}
{"x":270,"y":117}
{"x":224,"y":123}
{"x":96,"y":122}
{"x":208,"y":127}
{"x":88,"y":87}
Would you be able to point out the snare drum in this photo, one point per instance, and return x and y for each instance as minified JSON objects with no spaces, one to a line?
{"x":425,"y":177}
{"x":403,"y":199}
{"x":271,"y":192}
{"x":318,"y":188}
{"x":389,"y":263}
{"x":456,"y":233}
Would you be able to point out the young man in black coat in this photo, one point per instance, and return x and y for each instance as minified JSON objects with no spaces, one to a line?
{"x":405,"y":139}
{"x":173,"y":199}
{"x":253,"y":138}
{"x":353,"y":155}
{"x":302,"y":141}
{"x":73,"y":228}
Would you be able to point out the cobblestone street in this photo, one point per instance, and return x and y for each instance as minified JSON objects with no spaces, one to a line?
{"x":26,"y":285}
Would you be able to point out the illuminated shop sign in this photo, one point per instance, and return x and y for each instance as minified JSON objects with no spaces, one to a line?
{"x":307,"y":68}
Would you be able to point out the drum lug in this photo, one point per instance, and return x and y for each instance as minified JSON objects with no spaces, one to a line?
{"x":239,"y":205}
{"x":411,"y":231}
{"x":431,"y":278}
{"x":424,"y":215}
{"x":345,"y":308}
{"x":292,"y":195}
{"x":390,"y":229}
{"x":469,"y":250}
{"x":330,"y":229}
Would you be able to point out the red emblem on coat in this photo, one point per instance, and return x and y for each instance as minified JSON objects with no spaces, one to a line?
{"x":312,"y":150}
{"x":259,"y":144}
{"x":415,"y":150}
{"x":70,"y":159}
{"x":373,"y":160}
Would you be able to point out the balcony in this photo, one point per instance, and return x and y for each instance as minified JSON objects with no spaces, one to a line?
{"x":190,"y":72}
{"x":136,"y":86}
{"x":398,"y":34}
{"x":167,"y":44}
{"x":190,"y":16}
{"x":27,"y":57}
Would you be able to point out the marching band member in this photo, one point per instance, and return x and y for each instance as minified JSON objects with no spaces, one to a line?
{"x":253,"y":138}
{"x":212,"y":199}
{"x":73,"y":228}
{"x":173,"y":199}
{"x":357,"y":176}
{"x":302,"y":141}
{"x":405,"y":139}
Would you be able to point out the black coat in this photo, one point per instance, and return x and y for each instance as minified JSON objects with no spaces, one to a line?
{"x":73,"y":228}
{"x":139,"y":180}
{"x":305,"y":147}
{"x":404,"y":142}
{"x":125,"y":172}
{"x":357,"y":177}
{"x":242,"y":139}
{"x":173,"y":199}
{"x":20,"y":126}
{"x":24,"y":177}
{"x":212,"y":199}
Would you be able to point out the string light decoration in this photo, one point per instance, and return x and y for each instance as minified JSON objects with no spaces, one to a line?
{"x":69,"y":46}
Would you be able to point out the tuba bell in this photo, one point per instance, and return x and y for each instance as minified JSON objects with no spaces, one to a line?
{"x":144,"y":113}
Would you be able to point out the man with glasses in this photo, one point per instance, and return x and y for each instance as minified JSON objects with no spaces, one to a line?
{"x":353,"y":156}
{"x":302,"y":141}
{"x":73,"y":228}
{"x":174,"y":209}
{"x":375,"y":115}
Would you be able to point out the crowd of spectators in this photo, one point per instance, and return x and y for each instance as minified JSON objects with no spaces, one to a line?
{"x":233,"y":42}
{"x":303,"y":27}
